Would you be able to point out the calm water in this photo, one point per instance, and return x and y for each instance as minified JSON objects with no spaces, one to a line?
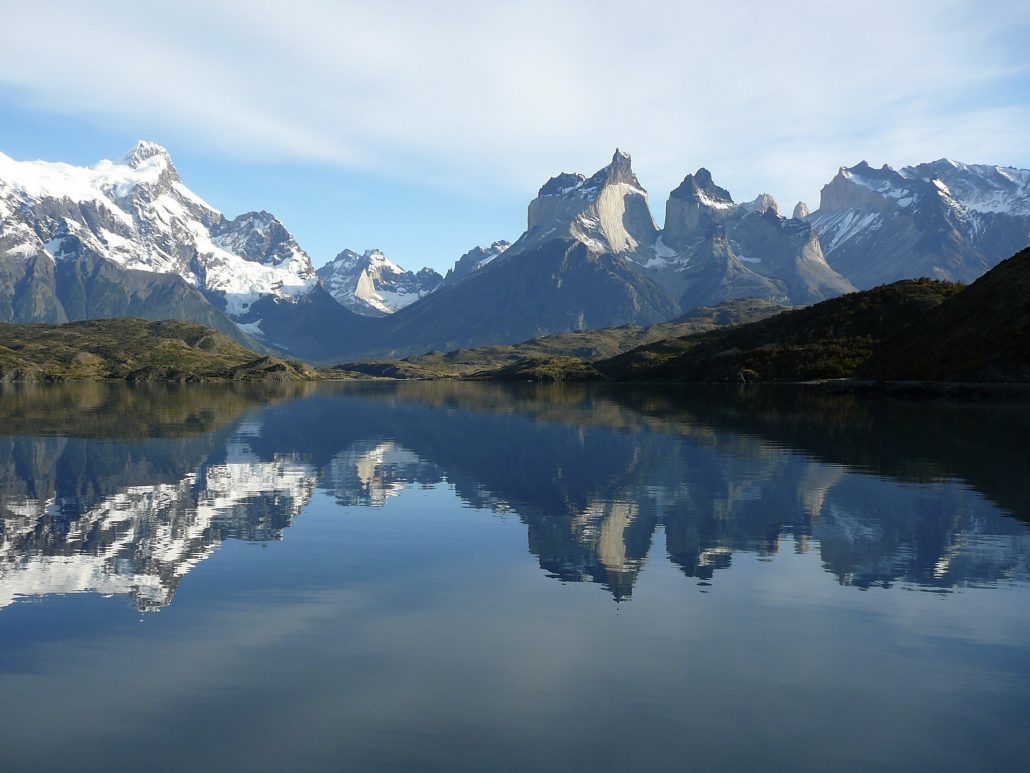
{"x":458,"y":576}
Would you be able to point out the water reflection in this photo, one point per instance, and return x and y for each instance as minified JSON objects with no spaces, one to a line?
{"x":123,"y":491}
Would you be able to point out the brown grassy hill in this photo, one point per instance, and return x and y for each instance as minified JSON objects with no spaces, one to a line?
{"x":134,"y":350}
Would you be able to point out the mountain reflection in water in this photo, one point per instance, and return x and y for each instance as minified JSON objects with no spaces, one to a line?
{"x":123,"y":491}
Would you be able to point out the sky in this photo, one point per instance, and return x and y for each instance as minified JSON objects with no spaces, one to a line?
{"x":425,"y":128}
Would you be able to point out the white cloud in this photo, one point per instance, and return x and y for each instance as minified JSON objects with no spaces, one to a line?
{"x":769,"y":96}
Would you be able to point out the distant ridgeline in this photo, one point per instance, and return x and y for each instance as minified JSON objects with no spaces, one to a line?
{"x":912,"y":330}
{"x":128,"y":238}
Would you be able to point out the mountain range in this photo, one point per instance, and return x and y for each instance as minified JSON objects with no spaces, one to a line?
{"x":128,"y":238}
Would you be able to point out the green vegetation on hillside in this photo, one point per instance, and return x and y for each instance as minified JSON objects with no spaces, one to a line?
{"x":531,"y":360}
{"x":980,"y":335}
{"x":132,"y":349}
{"x":831,"y":339}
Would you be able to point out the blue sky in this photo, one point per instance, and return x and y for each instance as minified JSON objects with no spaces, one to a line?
{"x":425,"y":128}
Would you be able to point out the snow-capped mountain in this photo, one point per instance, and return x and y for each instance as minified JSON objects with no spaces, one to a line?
{"x":942,"y":219}
{"x":372,"y":284}
{"x":137,"y":214}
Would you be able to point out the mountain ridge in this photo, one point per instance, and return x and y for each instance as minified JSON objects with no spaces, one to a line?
{"x":70,"y":238}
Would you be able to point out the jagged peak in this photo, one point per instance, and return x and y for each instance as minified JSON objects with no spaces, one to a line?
{"x":373,"y":259}
{"x":575,"y":185}
{"x":561,"y":184}
{"x":620,"y":170}
{"x":700,"y":187}
{"x":144,"y":150}
{"x":763,"y":203}
{"x":801,"y":210}
{"x":257,"y":219}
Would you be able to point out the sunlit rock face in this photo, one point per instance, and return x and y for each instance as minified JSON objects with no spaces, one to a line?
{"x":607,"y":211}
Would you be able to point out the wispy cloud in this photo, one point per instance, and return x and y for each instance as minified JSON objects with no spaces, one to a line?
{"x":770,"y":96}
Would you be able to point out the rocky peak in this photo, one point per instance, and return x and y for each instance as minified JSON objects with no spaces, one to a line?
{"x":475,"y":259}
{"x":801,"y":211}
{"x":764,"y":203}
{"x":695,"y":208}
{"x":995,"y":190}
{"x":863,"y":187}
{"x":620,"y":170}
{"x":608,"y":212}
{"x":371,"y":284}
{"x":700,"y":188}
{"x":146,"y":153}
{"x":562,"y":184}
{"x":261,"y":237}
{"x":574,"y":185}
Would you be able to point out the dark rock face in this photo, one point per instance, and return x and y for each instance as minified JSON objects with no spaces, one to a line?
{"x":716,"y":274}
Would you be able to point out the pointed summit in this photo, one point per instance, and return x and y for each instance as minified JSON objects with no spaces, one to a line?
{"x":620,"y":170}
{"x":145,"y":150}
{"x":150,"y":155}
{"x":699,"y":187}
{"x":694,"y":209}
{"x":764,"y":203}
{"x":801,"y":211}
{"x":607,"y":211}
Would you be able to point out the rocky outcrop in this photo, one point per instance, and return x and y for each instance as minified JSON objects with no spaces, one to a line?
{"x":607,"y":211}
{"x":694,"y":209}
{"x":474,"y":260}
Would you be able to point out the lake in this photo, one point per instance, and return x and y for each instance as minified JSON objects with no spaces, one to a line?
{"x":456,"y":576}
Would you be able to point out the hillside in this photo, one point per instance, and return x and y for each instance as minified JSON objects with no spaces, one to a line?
{"x":559,"y":285}
{"x":831,"y":339}
{"x":134,"y":350}
{"x":980,"y":335}
{"x":587,"y":345}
